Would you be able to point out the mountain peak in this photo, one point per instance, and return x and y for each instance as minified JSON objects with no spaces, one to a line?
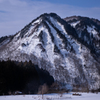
{"x":47,"y":15}
{"x":88,"y":30}
{"x":66,"y":49}
{"x":44,"y":20}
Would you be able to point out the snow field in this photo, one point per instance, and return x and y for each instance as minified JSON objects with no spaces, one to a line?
{"x":69,"y":96}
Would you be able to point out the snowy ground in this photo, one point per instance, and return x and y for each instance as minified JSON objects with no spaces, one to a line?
{"x":69,"y":96}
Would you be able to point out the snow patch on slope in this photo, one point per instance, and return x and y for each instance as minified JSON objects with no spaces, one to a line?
{"x":74,"y":23}
{"x":92,"y":30}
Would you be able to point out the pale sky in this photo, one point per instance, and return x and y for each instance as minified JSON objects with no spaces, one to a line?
{"x":15,"y":14}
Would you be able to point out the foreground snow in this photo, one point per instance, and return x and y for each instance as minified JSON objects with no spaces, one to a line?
{"x":85,"y":96}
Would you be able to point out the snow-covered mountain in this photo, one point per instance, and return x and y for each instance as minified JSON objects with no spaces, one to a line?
{"x":88,"y":32}
{"x":68,"y":50}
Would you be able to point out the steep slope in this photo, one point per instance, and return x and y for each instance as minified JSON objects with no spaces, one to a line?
{"x":5,"y":40}
{"x":53,"y":44}
{"x":88,"y":31}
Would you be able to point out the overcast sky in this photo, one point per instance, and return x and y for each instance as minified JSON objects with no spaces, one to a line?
{"x":15,"y":14}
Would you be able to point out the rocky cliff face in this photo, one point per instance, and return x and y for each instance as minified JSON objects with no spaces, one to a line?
{"x":69,"y":49}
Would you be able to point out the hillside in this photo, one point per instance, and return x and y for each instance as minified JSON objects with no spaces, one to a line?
{"x":68,"y":49}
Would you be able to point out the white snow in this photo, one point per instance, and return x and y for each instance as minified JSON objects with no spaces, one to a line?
{"x":74,"y":23}
{"x":63,"y":31}
{"x":69,"y":96}
{"x":37,"y":21}
{"x":33,"y":46}
{"x":92,"y":30}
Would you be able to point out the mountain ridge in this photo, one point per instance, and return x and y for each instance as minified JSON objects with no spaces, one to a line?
{"x":55,"y":45}
{"x":88,"y":28}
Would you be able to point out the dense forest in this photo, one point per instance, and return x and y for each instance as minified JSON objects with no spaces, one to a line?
{"x":22,"y":76}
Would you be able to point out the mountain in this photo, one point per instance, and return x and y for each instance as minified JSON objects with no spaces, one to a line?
{"x":88,"y":31}
{"x":63,"y":47}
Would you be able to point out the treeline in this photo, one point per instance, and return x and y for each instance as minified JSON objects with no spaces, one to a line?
{"x":22,"y":76}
